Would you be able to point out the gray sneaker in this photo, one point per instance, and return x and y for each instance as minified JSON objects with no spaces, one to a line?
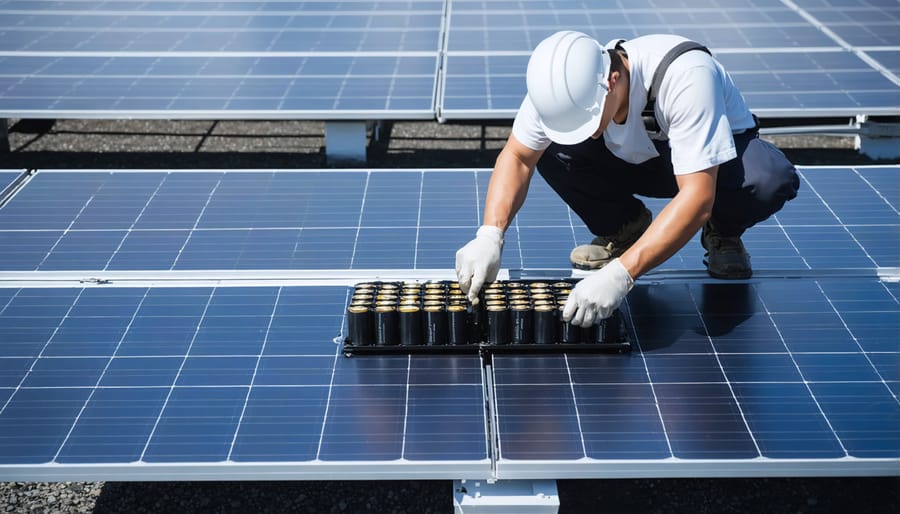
{"x":604,"y":249}
{"x":725,"y":256}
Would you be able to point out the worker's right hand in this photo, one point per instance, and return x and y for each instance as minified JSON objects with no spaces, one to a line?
{"x":479,"y":261}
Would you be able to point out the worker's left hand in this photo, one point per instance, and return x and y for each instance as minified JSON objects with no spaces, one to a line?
{"x":596,"y":297}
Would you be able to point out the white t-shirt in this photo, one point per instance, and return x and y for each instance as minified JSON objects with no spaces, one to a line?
{"x":698,"y":108}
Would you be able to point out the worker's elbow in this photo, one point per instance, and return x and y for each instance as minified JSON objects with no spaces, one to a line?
{"x":704,"y":215}
{"x":705,"y":209}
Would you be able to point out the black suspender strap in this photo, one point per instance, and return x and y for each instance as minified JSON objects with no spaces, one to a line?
{"x":648,"y":114}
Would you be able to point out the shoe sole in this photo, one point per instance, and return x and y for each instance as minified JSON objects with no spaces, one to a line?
{"x":730,"y":276}
{"x":587,"y":267}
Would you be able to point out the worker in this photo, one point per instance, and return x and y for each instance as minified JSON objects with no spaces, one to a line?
{"x":581,"y":125}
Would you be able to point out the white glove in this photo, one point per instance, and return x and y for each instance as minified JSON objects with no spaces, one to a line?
{"x":596,"y":297}
{"x":479,"y":261}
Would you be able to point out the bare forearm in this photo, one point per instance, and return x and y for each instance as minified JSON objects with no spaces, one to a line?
{"x":508,"y":186}
{"x":675,"y":226}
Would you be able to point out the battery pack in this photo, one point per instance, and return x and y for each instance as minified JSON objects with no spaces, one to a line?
{"x":436,"y":317}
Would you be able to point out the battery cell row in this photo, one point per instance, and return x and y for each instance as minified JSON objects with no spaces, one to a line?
{"x":438,"y":314}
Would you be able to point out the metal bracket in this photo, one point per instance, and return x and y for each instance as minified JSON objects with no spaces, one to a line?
{"x":95,"y":281}
{"x":345,"y":141}
{"x":505,"y":496}
{"x":877,"y":140}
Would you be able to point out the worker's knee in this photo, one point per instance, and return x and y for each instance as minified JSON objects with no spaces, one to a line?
{"x":768,"y":175}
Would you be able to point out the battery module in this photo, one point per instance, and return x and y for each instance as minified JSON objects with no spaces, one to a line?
{"x":436,"y":317}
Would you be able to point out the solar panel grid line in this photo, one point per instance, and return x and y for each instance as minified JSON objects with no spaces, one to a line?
{"x":840,"y":41}
{"x":721,"y":368}
{"x":132,"y":226}
{"x":856,"y":341}
{"x":828,"y":207}
{"x":253,"y":377}
{"x":177,"y":375}
{"x":359,"y":220}
{"x":876,"y":191}
{"x":805,"y":382}
{"x":39,"y":354}
{"x":506,"y":471}
{"x":196,"y":223}
{"x":577,"y":414}
{"x":405,"y":409}
{"x":646,"y":369}
{"x":97,"y":383}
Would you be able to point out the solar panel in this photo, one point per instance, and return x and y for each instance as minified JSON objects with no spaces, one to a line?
{"x":169,"y":27}
{"x":7,"y":177}
{"x":245,"y":381}
{"x":149,"y":375}
{"x":477,"y":26}
{"x":269,"y":86}
{"x":794,"y":377}
{"x":844,"y":219}
{"x":788,"y":61}
{"x":378,"y":60}
{"x":777,"y":83}
{"x":858,"y":22}
{"x":222,"y":60}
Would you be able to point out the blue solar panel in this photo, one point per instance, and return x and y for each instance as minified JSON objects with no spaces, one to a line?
{"x":7,"y":177}
{"x":519,"y":26}
{"x":781,"y":376}
{"x":844,"y":219}
{"x":321,"y":60}
{"x":752,"y":374}
{"x":888,"y":59}
{"x":798,"y":66}
{"x":259,"y":87}
{"x":261,"y":60}
{"x":858,"y":22}
{"x":163,"y":27}
{"x":778,"y":83}
{"x":227,"y":375}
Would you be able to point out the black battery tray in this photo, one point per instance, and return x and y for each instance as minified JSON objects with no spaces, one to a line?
{"x":608,"y":336}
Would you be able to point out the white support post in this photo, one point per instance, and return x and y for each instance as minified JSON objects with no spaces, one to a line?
{"x":345,"y":141}
{"x":878,"y":140}
{"x":505,"y":497}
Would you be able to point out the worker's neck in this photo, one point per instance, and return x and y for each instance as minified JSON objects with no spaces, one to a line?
{"x":624,"y":89}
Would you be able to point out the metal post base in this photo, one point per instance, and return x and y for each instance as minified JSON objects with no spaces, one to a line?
{"x":878,"y":140}
{"x":345,"y":142}
{"x":505,"y":497}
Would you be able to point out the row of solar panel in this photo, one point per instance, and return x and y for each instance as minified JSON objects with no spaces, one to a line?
{"x":233,"y":375}
{"x":473,"y":25}
{"x":845,"y":218}
{"x":321,"y":62}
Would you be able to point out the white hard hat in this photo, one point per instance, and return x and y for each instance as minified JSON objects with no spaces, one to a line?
{"x":566,"y":78}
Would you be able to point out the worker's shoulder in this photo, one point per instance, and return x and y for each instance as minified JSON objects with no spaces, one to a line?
{"x":655,"y":43}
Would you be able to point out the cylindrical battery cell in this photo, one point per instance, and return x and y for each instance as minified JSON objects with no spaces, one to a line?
{"x":567,"y":332}
{"x":522,"y":323}
{"x":410,"y":325}
{"x":494,"y":297}
{"x":435,"y":325}
{"x":387,"y":325}
{"x":545,"y":322}
{"x":360,"y":325}
{"x":611,"y":328}
{"x":457,"y":325}
{"x":498,"y":329}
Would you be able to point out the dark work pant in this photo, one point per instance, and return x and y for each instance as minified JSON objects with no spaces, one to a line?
{"x":601,"y":187}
